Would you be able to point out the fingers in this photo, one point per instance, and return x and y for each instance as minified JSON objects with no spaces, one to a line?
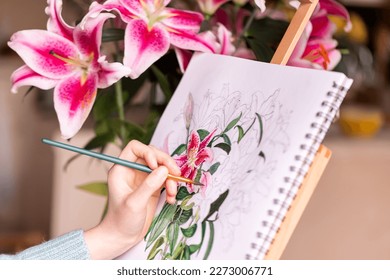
{"x":152,"y":156}
{"x":150,"y":185}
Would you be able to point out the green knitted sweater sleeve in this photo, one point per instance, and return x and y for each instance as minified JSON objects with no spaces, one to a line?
{"x":70,"y":246}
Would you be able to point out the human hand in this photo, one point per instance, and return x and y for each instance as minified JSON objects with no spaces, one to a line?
{"x":133,"y":197}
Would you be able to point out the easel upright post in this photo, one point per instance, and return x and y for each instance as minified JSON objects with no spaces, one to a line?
{"x":281,"y":56}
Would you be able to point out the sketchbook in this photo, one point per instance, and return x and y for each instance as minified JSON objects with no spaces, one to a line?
{"x":248,"y":131}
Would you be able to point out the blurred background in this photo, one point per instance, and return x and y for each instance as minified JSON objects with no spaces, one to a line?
{"x":347,"y":217}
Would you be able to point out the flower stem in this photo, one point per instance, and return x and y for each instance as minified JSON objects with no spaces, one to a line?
{"x":121,"y":111}
{"x":246,"y":28}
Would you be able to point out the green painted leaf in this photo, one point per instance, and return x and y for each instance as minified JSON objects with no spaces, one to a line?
{"x":214,"y":207}
{"x":226,"y":139}
{"x":240,"y":133}
{"x":214,"y":168}
{"x":182,"y":193}
{"x":186,"y":206}
{"x":186,"y":254}
{"x":163,"y":219}
{"x":261,"y":128}
{"x":232,"y":123}
{"x":178,"y":251}
{"x":211,"y":241}
{"x":189,"y":232}
{"x":179,"y":150}
{"x":227,"y":148}
{"x":153,"y":252}
{"x":99,"y":188}
{"x":194,"y":248}
{"x":183,"y":216}
{"x":172,"y":235}
{"x":162,"y":81}
{"x":202,"y":133}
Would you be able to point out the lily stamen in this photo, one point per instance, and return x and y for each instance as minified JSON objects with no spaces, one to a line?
{"x":70,"y":61}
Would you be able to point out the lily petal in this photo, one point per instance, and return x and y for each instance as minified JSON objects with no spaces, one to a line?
{"x":189,"y":40}
{"x":207,"y":181}
{"x":183,"y":58}
{"x":334,"y":8}
{"x":224,"y":37}
{"x":183,"y":20}
{"x":88,"y":37}
{"x":260,"y":4}
{"x":111,"y":5}
{"x":143,"y":46}
{"x":110,"y":73}
{"x":24,"y":76}
{"x":322,"y":26}
{"x":73,"y":100}
{"x":207,"y":140}
{"x":209,"y":7}
{"x":36,"y":48}
{"x":204,"y":155}
{"x":56,"y":23}
{"x":193,"y":142}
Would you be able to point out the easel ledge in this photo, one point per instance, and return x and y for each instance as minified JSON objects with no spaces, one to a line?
{"x":281,"y":56}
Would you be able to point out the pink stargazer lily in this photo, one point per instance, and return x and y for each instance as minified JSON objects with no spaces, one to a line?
{"x":68,"y":59}
{"x":197,"y":153}
{"x":151,"y":28}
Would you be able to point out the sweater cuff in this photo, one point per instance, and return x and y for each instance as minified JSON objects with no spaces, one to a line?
{"x":70,"y":246}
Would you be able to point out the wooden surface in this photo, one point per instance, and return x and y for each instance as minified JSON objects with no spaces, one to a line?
{"x":299,"y":204}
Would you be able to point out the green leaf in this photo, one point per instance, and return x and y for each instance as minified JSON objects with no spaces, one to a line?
{"x":186,"y":254}
{"x":232,"y":123}
{"x":184,"y":205}
{"x":241,"y":133}
{"x":227,"y":148}
{"x":211,"y":241}
{"x":189,"y":232}
{"x":163,"y":82}
{"x":262,"y":51}
{"x":99,"y":188}
{"x":202,"y":133}
{"x":261,"y":128}
{"x":179,"y":150}
{"x":100,"y":141}
{"x":163,"y":219}
{"x":262,"y":155}
{"x":153,"y":252}
{"x":194,"y":248}
{"x":113,"y":34}
{"x":214,"y":168}
{"x":214,"y":207}
{"x":182,"y":193}
{"x":178,"y":251}
{"x":172,"y":235}
{"x":183,"y":216}
{"x":226,"y":139}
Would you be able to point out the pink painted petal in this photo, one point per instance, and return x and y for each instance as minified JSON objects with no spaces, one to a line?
{"x":56,"y":23}
{"x":111,"y":5}
{"x":35,"y":47}
{"x":187,"y":171}
{"x":193,"y":142}
{"x":73,"y":102}
{"x":207,"y":181}
{"x":183,"y":58}
{"x":334,"y":8}
{"x":24,"y":76}
{"x":207,"y":140}
{"x":183,"y":20}
{"x":110,"y":73}
{"x":181,"y":160}
{"x":204,"y":155}
{"x":143,"y":46}
{"x":88,"y":36}
{"x":189,"y":41}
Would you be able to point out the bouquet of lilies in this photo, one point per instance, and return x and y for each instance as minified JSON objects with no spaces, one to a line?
{"x":100,"y":63}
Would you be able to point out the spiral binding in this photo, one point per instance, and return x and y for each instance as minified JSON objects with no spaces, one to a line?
{"x":265,"y":237}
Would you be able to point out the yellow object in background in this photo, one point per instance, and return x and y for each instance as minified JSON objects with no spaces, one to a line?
{"x":360,"y":121}
{"x":358,"y":32}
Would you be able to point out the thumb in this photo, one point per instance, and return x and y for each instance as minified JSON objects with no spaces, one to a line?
{"x":151,"y":184}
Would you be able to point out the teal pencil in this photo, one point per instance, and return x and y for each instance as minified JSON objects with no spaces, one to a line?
{"x":133,"y":165}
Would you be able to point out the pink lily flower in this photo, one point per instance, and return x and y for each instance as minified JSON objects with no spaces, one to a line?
{"x":68,"y":59}
{"x":197,"y":153}
{"x":151,"y":28}
{"x":334,"y":8}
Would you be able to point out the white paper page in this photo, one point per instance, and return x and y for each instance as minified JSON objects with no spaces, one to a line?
{"x":273,"y":107}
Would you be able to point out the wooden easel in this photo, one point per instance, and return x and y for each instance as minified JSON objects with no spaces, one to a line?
{"x":281,"y":56}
